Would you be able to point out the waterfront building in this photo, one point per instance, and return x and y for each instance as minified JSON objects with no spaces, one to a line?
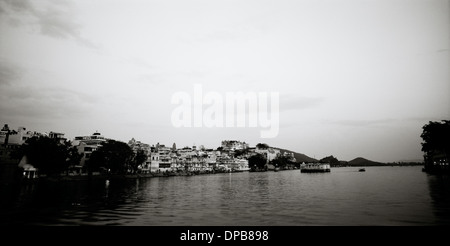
{"x":197,"y":163}
{"x":211,"y":159}
{"x":58,"y":136}
{"x":86,"y":145}
{"x":176,"y":161}
{"x":226,"y":161}
{"x":11,"y":140}
{"x":241,"y":165}
{"x":160,"y":158}
{"x":20,"y":136}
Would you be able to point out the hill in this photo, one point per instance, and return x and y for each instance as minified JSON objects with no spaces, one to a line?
{"x":364,"y":162}
{"x":298,"y":156}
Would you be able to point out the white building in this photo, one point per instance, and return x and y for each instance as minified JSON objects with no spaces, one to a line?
{"x":242,"y":164}
{"x":20,"y":136}
{"x":160,"y":158}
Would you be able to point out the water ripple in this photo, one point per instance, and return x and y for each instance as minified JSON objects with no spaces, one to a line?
{"x":380,"y":196}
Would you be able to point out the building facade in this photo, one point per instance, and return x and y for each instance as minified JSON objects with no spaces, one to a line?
{"x":86,"y":145}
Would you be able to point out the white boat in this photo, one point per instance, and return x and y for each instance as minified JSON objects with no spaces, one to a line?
{"x":315,"y":168}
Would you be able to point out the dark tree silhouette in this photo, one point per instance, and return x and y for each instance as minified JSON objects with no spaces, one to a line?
{"x":49,"y":155}
{"x":257,"y":162}
{"x":114,"y":156}
{"x":139,"y":158}
{"x":281,"y":161}
{"x":262,"y":146}
{"x":436,"y":144}
{"x":74,"y":157}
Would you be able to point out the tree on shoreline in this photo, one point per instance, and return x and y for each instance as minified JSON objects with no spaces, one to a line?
{"x":139,"y":158}
{"x":281,"y":161}
{"x":257,"y":162}
{"x":50,"y":156}
{"x":114,"y":156}
{"x":436,"y":143}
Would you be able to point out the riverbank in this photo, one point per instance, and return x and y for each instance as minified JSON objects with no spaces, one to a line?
{"x":81,"y":177}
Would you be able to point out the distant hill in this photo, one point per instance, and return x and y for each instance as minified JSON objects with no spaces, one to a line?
{"x":298,"y":156}
{"x":364,"y":162}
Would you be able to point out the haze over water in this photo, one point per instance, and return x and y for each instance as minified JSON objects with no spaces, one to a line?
{"x":392,"y":196}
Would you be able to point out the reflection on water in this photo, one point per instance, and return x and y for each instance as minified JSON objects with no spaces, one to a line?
{"x":379,"y":196}
{"x":439,"y":188}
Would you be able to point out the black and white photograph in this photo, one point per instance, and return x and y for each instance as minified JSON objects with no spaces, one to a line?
{"x":246,"y":115}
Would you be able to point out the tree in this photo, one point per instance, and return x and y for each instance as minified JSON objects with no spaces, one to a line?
{"x":139,"y":158}
{"x":436,"y":141}
{"x":257,"y":161}
{"x":262,"y":146}
{"x":49,"y":155}
{"x":73,"y":156}
{"x":114,"y":156}
{"x":281,"y":161}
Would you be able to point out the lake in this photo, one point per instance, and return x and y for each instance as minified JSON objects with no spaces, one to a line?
{"x":381,"y":196}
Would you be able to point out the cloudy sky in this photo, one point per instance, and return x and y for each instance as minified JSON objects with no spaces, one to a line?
{"x":355,"y":77}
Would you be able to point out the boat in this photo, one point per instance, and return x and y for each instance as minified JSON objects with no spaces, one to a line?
{"x":362,"y":170}
{"x":315,"y":168}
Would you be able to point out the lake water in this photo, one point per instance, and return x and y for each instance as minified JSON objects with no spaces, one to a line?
{"x":392,"y":196}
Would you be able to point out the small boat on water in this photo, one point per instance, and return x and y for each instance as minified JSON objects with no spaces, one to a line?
{"x":362,"y":170}
{"x":315,"y":168}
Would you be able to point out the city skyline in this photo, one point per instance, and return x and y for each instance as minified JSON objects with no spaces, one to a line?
{"x":355,"y":78}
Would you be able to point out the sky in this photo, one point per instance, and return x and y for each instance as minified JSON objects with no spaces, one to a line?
{"x":354,"y":77}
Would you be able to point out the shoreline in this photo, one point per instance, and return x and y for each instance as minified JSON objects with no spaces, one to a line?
{"x":86,"y":177}
{"x":105,"y":177}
